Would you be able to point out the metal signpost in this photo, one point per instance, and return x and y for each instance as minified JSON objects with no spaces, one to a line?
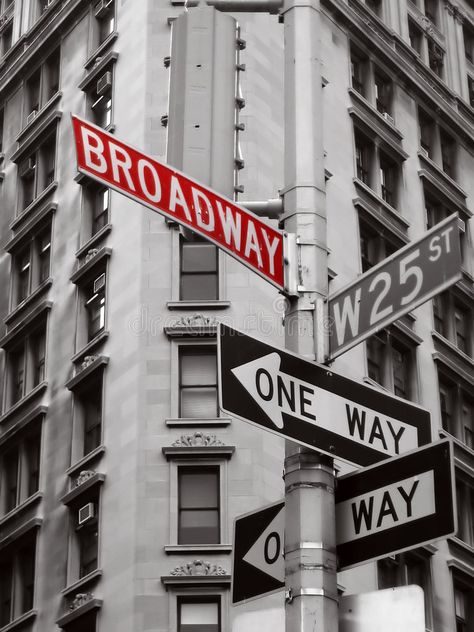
{"x":394,"y":287}
{"x":232,"y":228}
{"x":396,"y":505}
{"x":309,"y":404}
{"x":258,"y":565}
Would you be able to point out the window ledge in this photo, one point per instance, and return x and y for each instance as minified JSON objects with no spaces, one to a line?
{"x":22,"y":423}
{"x":454,"y":367}
{"x":72,"y":615}
{"x":391,"y":128}
{"x":88,"y":267}
{"x":34,"y":523}
{"x":40,"y":116}
{"x":32,"y":225}
{"x":198,"y":304}
{"x":435,"y":171}
{"x":99,"y":235}
{"x":90,"y":346}
{"x":27,"y":399}
{"x":195,"y":580}
{"x":19,"y":509}
{"x":108,"y":59}
{"x":400,"y":223}
{"x":35,"y":205}
{"x":30,"y":320}
{"x":372,"y":126}
{"x":99,"y":51}
{"x":80,"y":583}
{"x":368,"y":380}
{"x":20,"y":621}
{"x":192,"y":421}
{"x":463,"y":454}
{"x":82,"y":374}
{"x":189,"y":452}
{"x":75,"y":469}
{"x":38,"y":131}
{"x":95,"y":480}
{"x":184,"y":549}
{"x":29,"y":300}
{"x":456,"y":353}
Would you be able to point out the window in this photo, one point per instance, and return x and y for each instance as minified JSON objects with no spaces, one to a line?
{"x":437,"y":144}
{"x":37,"y":171}
{"x":359,"y":73}
{"x":431,"y":10}
{"x":104,"y":12}
{"x":453,"y":320}
{"x":42,"y":85}
{"x":468,"y":34}
{"x":87,"y":532}
{"x":198,"y":505}
{"x":383,"y":94}
{"x":2,"y":121}
{"x":26,"y":365}
{"x":6,"y":38}
{"x":435,"y":57}
{"x":199,"y":614}
{"x":198,"y":382}
{"x":375,"y":6}
{"x":463,"y":604}
{"x":457,"y":410}
{"x":96,"y":201}
{"x":31,"y":265}
{"x":374,"y":246}
{"x":17,"y":580}
{"x":391,"y":364}
{"x":436,"y":211}
{"x":416,"y":36}
{"x":470,"y":87}
{"x":376,"y":169}
{"x":20,"y":467}
{"x":198,"y":270}
{"x":94,"y":295}
{"x":407,"y":569}
{"x":100,"y":100}
{"x":465,"y":508}
{"x":88,"y":414}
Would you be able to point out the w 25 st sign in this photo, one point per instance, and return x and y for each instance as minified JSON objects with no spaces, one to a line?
{"x":395,"y":286}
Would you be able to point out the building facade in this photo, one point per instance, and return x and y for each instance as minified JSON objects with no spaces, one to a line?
{"x":119,"y":476}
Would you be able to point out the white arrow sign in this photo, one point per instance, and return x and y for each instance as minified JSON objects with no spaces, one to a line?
{"x":277,"y":393}
{"x":266,"y":553}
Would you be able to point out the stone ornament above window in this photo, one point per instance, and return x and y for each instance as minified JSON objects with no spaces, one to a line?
{"x":80,"y":599}
{"x":198,"y":568}
{"x":88,"y":360}
{"x":84,"y":476}
{"x":197,"y":439}
{"x":194,"y":325}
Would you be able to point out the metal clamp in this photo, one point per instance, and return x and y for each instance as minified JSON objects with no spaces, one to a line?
{"x":310,"y":592}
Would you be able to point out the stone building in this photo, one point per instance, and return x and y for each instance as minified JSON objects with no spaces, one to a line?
{"x":119,"y":477}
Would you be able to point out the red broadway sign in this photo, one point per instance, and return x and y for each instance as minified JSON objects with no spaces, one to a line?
{"x":180,"y":198}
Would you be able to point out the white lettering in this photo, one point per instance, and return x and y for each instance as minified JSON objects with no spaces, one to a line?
{"x":95,"y":148}
{"x":252,"y":243}
{"x":350,"y":312}
{"x":445,"y":234}
{"x":120,"y":159}
{"x":145,"y":164}
{"x":435,"y":247}
{"x":271,"y":249}
{"x":177,"y":198}
{"x":199,"y":196}
{"x":232,"y":227}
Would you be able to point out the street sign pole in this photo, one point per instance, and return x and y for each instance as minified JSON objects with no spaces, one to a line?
{"x":310,"y":530}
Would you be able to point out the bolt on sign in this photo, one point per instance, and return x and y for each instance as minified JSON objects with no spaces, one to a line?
{"x":310,"y":404}
{"x":395,"y":286}
{"x":396,"y":505}
{"x":234,"y":229}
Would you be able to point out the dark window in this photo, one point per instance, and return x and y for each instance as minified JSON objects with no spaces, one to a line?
{"x":363,"y":150}
{"x":92,"y":406}
{"x":23,"y":266}
{"x":100,"y":209}
{"x":447,"y":398}
{"x":390,"y":363}
{"x":435,"y":57}
{"x":33,"y":87}
{"x":51,"y":75}
{"x":198,"y":505}
{"x":2,"y":120}
{"x":32,"y":463}
{"x":100,"y":100}
{"x":25,"y":365}
{"x":465,"y":509}
{"x":199,"y":614}
{"x":468,"y":34}
{"x":11,"y":467}
{"x":7,"y":38}
{"x":448,"y":154}
{"x":6,"y":592}
{"x":19,"y":469}
{"x":198,"y":274}
{"x":37,"y":171}
{"x":39,"y":357}
{"x":95,"y":306}
{"x":375,"y":6}
{"x":198,"y":382}
{"x":17,"y":373}
{"x":31,"y":265}
{"x":88,"y":541}
{"x":104,"y":12}
{"x":42,"y":85}
{"x":17,"y":580}
{"x":427,"y":127}
{"x":401,"y":362}
{"x":415,"y":36}
{"x":375,"y":350}
{"x":440,"y":314}
{"x":383,"y":94}
{"x":359,"y":72}
{"x":26,"y":568}
{"x":388,"y":181}
{"x":431,"y":10}
{"x":470,"y":86}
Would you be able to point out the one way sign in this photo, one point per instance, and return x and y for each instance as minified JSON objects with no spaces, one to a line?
{"x":258,"y":566}
{"x":308,"y":403}
{"x":396,"y":505}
